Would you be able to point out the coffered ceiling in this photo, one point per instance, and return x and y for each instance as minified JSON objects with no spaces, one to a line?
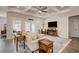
{"x":39,"y":11}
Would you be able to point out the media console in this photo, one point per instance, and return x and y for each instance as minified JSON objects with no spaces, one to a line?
{"x":50,"y":32}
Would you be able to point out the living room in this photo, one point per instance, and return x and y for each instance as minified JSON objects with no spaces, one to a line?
{"x":34,"y":22}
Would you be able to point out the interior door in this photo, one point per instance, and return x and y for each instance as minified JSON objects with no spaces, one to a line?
{"x":75,"y":28}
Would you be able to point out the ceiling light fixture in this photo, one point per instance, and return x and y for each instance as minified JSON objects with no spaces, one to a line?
{"x":40,"y":11}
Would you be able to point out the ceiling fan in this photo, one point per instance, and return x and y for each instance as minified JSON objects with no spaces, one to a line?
{"x":42,"y":9}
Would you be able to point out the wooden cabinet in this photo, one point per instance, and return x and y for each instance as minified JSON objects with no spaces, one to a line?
{"x":4,"y":31}
{"x":45,"y":46}
{"x":52,"y":32}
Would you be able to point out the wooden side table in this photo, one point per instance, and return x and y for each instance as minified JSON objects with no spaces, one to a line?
{"x":45,"y":46}
{"x":19,"y":39}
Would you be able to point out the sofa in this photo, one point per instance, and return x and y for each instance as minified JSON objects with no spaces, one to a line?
{"x":32,"y":40}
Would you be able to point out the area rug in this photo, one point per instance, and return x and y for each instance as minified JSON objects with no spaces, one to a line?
{"x":59,"y":43}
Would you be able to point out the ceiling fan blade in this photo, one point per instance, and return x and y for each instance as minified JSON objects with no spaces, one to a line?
{"x":44,"y":11}
{"x":44,"y":8}
{"x":41,"y":8}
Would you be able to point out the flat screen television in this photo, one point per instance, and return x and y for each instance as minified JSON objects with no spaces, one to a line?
{"x":52,"y":24}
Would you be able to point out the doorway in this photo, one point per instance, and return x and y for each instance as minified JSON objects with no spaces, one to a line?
{"x":74,"y":26}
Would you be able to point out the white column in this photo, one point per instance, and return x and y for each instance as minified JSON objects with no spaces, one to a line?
{"x":9,"y":28}
{"x":23,"y":25}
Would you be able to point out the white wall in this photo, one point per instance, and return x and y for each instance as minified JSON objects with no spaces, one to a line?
{"x":63,"y":26}
{"x":10,"y":18}
{"x":23,"y":18}
{"x":37,"y":21}
{"x":62,"y":23}
{"x":61,"y":19}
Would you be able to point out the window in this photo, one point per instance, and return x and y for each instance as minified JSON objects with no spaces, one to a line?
{"x":33,"y":27}
{"x":30,"y":26}
{"x":27,"y":26}
{"x":17,"y":25}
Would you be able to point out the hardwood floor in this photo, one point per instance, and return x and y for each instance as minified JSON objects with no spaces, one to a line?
{"x":8,"y":46}
{"x":73,"y":46}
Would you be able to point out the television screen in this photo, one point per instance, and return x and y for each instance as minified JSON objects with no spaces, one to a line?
{"x":52,"y":24}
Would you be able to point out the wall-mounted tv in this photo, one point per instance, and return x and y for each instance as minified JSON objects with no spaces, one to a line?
{"x":52,"y":24}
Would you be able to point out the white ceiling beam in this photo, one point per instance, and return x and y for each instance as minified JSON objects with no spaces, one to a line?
{"x":27,"y":8}
{"x":55,"y":9}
